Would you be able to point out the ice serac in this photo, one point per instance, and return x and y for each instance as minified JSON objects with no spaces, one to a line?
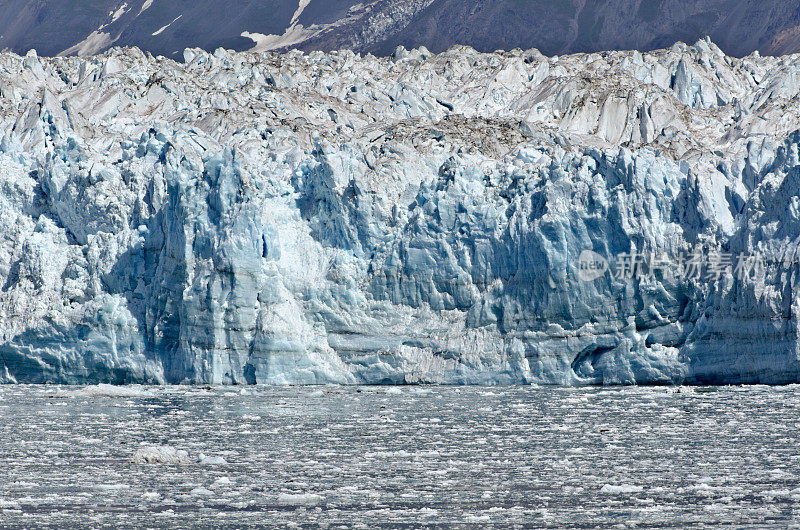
{"x":332,"y":218}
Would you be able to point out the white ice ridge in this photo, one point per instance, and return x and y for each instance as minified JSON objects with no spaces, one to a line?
{"x":331,"y":218}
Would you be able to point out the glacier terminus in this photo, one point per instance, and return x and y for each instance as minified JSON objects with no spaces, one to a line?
{"x":312,"y":218}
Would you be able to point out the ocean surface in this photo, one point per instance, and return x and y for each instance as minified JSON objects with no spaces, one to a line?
{"x":399,"y":456}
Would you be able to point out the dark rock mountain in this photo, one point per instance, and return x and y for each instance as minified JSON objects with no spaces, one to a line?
{"x":559,"y":27}
{"x":163,"y":27}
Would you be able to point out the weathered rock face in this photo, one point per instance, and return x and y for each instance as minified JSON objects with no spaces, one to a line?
{"x":166,"y":27}
{"x":292,"y":219}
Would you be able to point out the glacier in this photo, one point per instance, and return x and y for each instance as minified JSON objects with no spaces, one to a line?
{"x":264,"y":218}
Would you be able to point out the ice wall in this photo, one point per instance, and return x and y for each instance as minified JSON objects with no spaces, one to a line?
{"x":331,"y":218}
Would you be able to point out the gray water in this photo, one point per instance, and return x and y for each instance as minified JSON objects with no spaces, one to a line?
{"x":411,"y":456}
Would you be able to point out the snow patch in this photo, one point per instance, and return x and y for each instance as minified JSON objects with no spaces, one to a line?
{"x":119,"y":12}
{"x":162,"y":28}
{"x":299,"y":11}
{"x":94,"y":43}
{"x":145,"y":6}
{"x":293,"y":35}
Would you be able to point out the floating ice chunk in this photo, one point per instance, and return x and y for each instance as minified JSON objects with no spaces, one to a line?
{"x":612,"y":489}
{"x":112,"y":487}
{"x":393,"y":390}
{"x":204,"y":460}
{"x":201,"y":491}
{"x":160,"y":454}
{"x":104,"y":390}
{"x":299,"y":499}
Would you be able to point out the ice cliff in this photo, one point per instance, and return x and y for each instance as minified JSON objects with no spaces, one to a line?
{"x":333,"y":218}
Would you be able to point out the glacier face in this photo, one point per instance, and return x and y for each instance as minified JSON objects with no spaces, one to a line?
{"x":332,"y":218}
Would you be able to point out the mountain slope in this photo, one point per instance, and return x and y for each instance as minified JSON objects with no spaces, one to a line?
{"x":84,"y":27}
{"x":557,"y":27}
